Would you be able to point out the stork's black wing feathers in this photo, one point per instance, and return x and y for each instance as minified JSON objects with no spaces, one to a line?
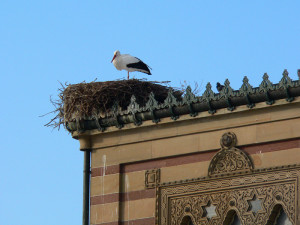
{"x":140,"y":65}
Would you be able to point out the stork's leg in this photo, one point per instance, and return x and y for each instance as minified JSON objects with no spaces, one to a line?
{"x":128,"y":76}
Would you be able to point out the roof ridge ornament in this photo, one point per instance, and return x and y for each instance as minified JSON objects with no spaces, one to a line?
{"x":170,"y":102}
{"x":151,"y":105}
{"x":115,"y":111}
{"x":228,"y":92}
{"x":266,"y":83}
{"x":170,"y":99}
{"x":133,"y":108}
{"x":246,"y":87}
{"x":245,"y":90}
{"x":209,"y":95}
{"x":172,"y":107}
{"x":266,"y":86}
{"x":285,"y":83}
{"x":189,"y":98}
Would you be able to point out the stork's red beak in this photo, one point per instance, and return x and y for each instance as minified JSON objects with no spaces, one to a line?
{"x":113,"y":58}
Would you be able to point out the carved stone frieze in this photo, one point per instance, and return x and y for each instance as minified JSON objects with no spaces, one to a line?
{"x":252,"y":196}
{"x":232,"y":187}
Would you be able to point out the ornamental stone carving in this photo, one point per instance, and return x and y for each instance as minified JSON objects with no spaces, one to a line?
{"x":152,"y":178}
{"x":229,"y":159}
{"x":232,"y":187}
{"x":235,"y":199}
{"x":252,"y":196}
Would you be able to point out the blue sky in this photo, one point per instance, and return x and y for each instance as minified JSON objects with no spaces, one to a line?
{"x":43,"y":42}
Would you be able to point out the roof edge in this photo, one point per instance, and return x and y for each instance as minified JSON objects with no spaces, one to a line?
{"x":190,"y":104}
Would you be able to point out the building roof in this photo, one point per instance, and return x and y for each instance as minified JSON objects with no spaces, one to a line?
{"x":192,"y":105}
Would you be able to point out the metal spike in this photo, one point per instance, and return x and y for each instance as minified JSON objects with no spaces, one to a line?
{"x":245,"y":90}
{"x":246,"y":87}
{"x":189,"y":96}
{"x":170,"y":100}
{"x":266,"y":86}
{"x":115,"y":113}
{"x":133,"y":106}
{"x":285,"y":81}
{"x":227,"y":90}
{"x":227,"y":83}
{"x":151,"y":103}
{"x":208,"y":93}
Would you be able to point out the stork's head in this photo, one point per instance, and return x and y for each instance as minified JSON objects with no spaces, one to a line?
{"x":116,"y":53}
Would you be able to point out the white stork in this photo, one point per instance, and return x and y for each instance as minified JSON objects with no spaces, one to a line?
{"x":129,"y":63}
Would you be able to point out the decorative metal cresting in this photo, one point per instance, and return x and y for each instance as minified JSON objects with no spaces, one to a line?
{"x":229,"y":159}
{"x":209,"y":102}
{"x":132,"y":109}
{"x":232,"y":188}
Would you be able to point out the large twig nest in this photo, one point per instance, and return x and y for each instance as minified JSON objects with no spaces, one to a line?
{"x":89,"y":100}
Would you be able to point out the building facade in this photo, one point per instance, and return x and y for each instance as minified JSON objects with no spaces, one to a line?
{"x":235,"y":159}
